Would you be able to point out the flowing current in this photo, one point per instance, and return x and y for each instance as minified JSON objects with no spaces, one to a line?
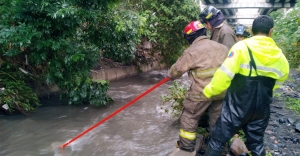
{"x":142,"y":129}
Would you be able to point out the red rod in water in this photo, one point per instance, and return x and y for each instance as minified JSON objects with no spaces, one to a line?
{"x":116,"y":112}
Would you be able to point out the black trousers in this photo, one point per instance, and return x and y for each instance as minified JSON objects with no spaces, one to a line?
{"x":247,"y":106}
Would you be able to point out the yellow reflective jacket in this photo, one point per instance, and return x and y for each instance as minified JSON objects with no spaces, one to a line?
{"x":269,"y":59}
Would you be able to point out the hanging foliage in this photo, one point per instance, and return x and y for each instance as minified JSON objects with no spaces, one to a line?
{"x":166,"y":21}
{"x":53,"y":42}
{"x":15,"y":95}
{"x":60,"y":41}
{"x":287,"y":33}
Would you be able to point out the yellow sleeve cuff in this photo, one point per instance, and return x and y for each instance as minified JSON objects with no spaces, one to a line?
{"x":206,"y":92}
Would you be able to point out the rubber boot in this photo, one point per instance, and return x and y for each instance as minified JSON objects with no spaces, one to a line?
{"x":211,"y":152}
{"x":214,"y":148}
{"x":182,"y":152}
{"x":184,"y":149}
{"x":257,"y":149}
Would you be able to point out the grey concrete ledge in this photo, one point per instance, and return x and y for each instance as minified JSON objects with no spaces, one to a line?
{"x":121,"y":72}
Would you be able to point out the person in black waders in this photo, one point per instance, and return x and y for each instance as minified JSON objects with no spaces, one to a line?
{"x":200,"y":60}
{"x":254,"y":68}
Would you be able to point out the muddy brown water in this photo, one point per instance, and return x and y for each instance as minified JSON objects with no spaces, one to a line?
{"x":141,"y":129}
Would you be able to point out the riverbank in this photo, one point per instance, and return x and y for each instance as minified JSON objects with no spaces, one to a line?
{"x":282,"y":136}
{"x":135,"y":131}
{"x":115,"y":73}
{"x":106,"y":70}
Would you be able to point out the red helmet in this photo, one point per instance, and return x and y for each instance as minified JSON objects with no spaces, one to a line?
{"x":193,"y":27}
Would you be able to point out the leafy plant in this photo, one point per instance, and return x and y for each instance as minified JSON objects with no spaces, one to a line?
{"x":175,"y":99}
{"x":165,"y":23}
{"x":287,"y":33}
{"x":124,"y":30}
{"x":293,"y":104}
{"x":268,"y":153}
{"x":54,"y":42}
{"x":15,"y":95}
{"x":240,"y":134}
{"x":277,"y":95}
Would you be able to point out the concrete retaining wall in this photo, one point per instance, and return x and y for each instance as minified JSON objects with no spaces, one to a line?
{"x":105,"y":74}
{"x":121,"y":72}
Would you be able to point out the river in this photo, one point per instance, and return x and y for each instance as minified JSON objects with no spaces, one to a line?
{"x":141,"y":129}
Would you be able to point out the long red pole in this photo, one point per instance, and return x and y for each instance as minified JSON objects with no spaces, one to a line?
{"x":116,"y":112}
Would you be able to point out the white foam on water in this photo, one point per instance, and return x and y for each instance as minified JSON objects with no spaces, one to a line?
{"x":58,"y":150}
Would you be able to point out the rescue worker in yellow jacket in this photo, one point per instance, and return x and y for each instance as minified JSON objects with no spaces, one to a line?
{"x":201,"y":59}
{"x":254,"y":68}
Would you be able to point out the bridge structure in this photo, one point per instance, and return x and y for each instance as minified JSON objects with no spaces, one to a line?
{"x":244,"y":11}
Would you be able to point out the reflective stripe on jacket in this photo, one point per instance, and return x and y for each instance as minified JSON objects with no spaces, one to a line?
{"x":268,"y":57}
{"x":200,"y":60}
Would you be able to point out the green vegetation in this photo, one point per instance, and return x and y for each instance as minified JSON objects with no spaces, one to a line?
{"x":268,"y":153}
{"x":53,"y":42}
{"x":58,"y":42}
{"x":287,"y":33}
{"x":166,"y":22}
{"x":175,"y":99}
{"x":15,"y":95}
{"x":293,"y":104}
{"x":277,"y":95}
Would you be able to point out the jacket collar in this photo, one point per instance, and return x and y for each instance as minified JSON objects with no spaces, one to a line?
{"x":199,"y":38}
{"x":219,"y":26}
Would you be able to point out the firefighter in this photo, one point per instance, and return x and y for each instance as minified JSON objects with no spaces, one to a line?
{"x":241,"y":32}
{"x":253,"y":69}
{"x":200,"y":60}
{"x":220,"y":31}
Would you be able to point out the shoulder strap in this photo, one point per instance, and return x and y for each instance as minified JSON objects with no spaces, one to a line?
{"x":252,"y":62}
